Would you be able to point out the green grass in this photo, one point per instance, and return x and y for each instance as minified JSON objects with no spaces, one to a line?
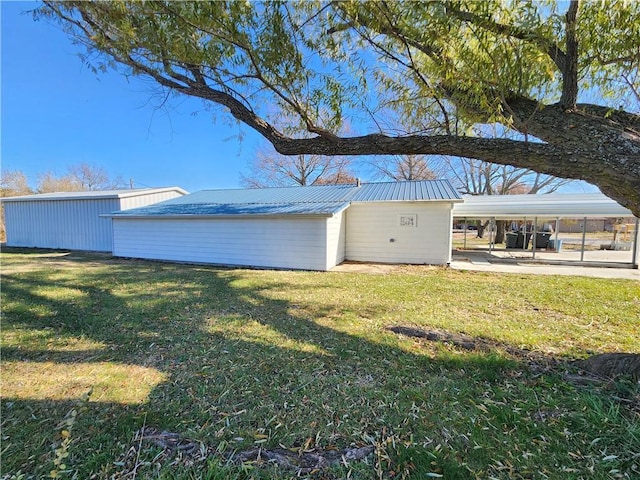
{"x":239,"y":358}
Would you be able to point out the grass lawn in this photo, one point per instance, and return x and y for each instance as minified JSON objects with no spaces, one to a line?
{"x":239,"y":358}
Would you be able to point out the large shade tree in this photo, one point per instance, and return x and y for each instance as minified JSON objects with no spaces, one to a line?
{"x":562,"y":76}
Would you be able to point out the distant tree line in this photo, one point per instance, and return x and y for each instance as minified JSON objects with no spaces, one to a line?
{"x":81,"y":177}
{"x":468,"y":175}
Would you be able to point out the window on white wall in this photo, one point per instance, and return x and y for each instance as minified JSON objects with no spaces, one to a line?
{"x":409,"y":220}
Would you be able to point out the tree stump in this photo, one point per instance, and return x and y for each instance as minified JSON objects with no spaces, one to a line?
{"x":611,"y":365}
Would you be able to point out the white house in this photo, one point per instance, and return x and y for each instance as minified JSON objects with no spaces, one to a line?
{"x":73,"y":220}
{"x":310,"y":228}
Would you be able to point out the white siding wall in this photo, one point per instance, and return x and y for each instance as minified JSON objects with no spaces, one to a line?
{"x":68,"y":224}
{"x":297,"y":243}
{"x":372,"y":226}
{"x":336,"y":234}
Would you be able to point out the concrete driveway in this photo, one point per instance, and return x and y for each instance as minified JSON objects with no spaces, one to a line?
{"x":488,"y":262}
{"x":485,"y":262}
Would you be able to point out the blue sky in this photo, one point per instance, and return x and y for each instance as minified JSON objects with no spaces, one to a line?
{"x":56,"y":113}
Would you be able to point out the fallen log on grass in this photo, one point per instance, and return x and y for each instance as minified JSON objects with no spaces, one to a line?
{"x":612,"y":365}
{"x":303,"y":462}
{"x":177,"y":449}
{"x":602,"y":366}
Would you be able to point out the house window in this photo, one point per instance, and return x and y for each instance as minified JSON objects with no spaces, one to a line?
{"x":409,"y":220}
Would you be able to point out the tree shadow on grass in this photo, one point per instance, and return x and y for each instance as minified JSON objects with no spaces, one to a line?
{"x":241,"y":359}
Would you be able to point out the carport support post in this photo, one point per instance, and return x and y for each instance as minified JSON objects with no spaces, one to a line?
{"x":584,"y":236}
{"x":465,"y":233}
{"x":533,"y":238}
{"x":491,"y":234}
{"x":635,"y":246}
{"x":557,"y":228}
{"x":524,"y":235}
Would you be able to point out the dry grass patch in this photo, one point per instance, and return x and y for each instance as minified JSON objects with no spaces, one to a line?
{"x":50,"y":381}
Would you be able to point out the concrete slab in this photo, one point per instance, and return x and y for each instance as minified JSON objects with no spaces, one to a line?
{"x":462,"y":262}
{"x":478,"y":259}
{"x":365,"y":267}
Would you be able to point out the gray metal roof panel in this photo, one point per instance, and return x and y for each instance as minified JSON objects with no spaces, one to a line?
{"x":367,"y":192}
{"x":165,"y":209}
{"x":311,"y":200}
{"x":314,"y":194}
{"x":422,"y":190}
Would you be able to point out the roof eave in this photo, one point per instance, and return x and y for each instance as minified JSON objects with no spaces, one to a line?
{"x":66,"y":196}
{"x":219,"y":216}
{"x":421,"y":200}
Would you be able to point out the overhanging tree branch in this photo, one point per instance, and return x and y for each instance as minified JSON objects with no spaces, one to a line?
{"x":544,"y":44}
{"x":240,"y":66}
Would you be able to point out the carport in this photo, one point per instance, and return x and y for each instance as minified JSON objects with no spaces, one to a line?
{"x":552,"y":208}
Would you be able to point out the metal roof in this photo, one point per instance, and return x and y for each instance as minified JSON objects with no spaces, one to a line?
{"x":545,"y":206}
{"x":308,"y":200}
{"x":424,"y":190}
{"x":238,"y":209}
{"x":93,"y":195}
{"x":322,"y":194}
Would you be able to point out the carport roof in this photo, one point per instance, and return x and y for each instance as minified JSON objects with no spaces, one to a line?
{"x":309,"y":200}
{"x":594,"y":205}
